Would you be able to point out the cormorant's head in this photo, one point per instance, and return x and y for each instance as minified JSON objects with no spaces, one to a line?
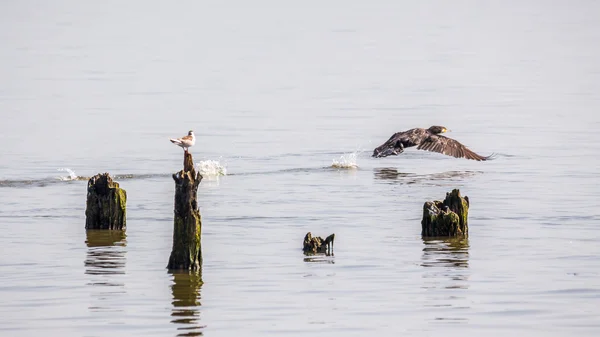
{"x":436,"y":129}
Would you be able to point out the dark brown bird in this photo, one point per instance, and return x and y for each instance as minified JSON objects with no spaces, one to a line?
{"x":426,"y":139}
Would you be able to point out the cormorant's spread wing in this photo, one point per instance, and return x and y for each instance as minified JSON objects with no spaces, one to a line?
{"x":448,"y":146}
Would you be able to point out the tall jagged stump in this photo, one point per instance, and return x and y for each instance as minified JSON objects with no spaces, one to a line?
{"x":106,"y":204}
{"x":187,"y":223}
{"x":317,"y":245}
{"x":447,"y":218}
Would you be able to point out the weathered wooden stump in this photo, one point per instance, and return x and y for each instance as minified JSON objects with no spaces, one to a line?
{"x":106,"y":204}
{"x":187,"y":231}
{"x":447,"y":218}
{"x":316,"y":244}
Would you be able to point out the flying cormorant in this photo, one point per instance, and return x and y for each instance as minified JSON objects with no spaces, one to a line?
{"x":426,"y":139}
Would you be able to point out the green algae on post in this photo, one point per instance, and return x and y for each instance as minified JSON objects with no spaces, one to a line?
{"x":106,"y":203}
{"x":186,"y":253}
{"x":447,"y":218}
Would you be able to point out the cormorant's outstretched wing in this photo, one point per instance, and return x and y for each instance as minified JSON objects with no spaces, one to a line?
{"x":450,"y":147}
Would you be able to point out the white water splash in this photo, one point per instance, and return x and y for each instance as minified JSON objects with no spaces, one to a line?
{"x":346,"y":161}
{"x":72,"y":175}
{"x":211,"y":168}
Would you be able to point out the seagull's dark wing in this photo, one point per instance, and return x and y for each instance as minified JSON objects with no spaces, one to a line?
{"x":448,"y":146}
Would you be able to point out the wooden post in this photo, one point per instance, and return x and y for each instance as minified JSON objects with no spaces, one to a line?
{"x":317,"y":245}
{"x":106,"y":204}
{"x":447,"y":218}
{"x":187,"y":228}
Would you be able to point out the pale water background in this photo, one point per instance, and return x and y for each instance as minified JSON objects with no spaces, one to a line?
{"x":276,"y":91}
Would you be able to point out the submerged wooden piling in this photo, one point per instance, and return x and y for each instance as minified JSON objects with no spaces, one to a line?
{"x":317,"y":245}
{"x":447,"y":218}
{"x":106,"y":203}
{"x":187,"y":224}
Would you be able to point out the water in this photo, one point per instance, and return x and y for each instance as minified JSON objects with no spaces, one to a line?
{"x":277,"y":94}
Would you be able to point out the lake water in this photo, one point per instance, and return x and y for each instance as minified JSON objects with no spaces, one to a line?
{"x":276,"y":93}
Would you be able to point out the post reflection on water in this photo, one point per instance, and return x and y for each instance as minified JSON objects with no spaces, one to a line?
{"x":186,"y":302}
{"x":446,"y":278}
{"x":105,"y":265}
{"x":320,"y":258}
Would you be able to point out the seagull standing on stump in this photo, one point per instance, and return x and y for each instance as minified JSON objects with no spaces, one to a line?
{"x":185,"y":142}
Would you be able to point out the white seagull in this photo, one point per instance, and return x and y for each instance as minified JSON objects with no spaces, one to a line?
{"x":185,"y":142}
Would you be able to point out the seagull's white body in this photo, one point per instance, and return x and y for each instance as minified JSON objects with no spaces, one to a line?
{"x":185,"y":142}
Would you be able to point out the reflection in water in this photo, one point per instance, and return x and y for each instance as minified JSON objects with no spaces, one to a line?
{"x":105,"y":263}
{"x":320,"y":258}
{"x":186,"y":302}
{"x":446,"y":252}
{"x":392,"y":175}
{"x":446,"y":275}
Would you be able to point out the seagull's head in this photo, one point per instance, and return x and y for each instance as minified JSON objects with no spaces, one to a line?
{"x":436,"y":129}
{"x":191,"y":133}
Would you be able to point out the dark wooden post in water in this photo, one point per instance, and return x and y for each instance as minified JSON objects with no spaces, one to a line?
{"x":187,"y":231}
{"x":317,"y":245}
{"x":106,"y":204}
{"x":447,"y":218}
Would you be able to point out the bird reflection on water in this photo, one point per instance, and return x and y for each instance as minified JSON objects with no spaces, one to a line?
{"x":105,"y":263}
{"x":186,"y":302}
{"x":446,"y":277}
{"x":392,"y":175}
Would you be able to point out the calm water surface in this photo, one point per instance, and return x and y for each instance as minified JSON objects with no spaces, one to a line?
{"x":276,"y":92}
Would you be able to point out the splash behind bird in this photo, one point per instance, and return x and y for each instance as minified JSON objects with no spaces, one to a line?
{"x":211,"y":168}
{"x":346,"y":161}
{"x":72,"y":175}
{"x":185,"y":142}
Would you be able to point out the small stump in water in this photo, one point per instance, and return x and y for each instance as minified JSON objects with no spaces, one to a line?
{"x":106,"y":203}
{"x":447,"y":218}
{"x":316,"y":244}
{"x":187,"y":231}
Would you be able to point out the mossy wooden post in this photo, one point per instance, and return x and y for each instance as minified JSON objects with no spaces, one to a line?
{"x":447,"y":218}
{"x":106,"y":204}
{"x":317,"y":245}
{"x":187,"y":224}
